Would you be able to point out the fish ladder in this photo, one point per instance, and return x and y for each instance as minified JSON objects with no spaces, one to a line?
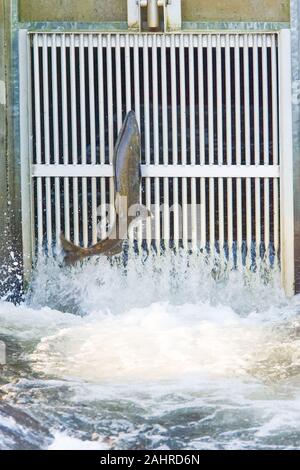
{"x":214,"y":112}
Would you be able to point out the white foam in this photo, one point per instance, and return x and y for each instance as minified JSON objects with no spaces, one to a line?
{"x":163,"y":319}
{"x":64,"y":442}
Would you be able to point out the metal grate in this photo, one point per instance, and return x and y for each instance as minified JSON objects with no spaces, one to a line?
{"x":208,"y":110}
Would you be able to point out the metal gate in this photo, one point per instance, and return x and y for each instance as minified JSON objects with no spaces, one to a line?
{"x":214,"y":112}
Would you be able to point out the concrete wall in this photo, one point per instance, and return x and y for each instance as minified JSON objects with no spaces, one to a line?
{"x":3,"y":118}
{"x":235,"y":10}
{"x":116,"y":10}
{"x":73,"y":10}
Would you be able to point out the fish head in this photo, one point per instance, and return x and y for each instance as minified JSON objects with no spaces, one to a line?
{"x":127,"y":161}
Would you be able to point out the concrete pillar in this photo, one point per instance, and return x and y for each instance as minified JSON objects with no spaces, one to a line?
{"x":295,"y":31}
{"x":10,"y":228}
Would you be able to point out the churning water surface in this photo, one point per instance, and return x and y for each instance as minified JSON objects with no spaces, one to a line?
{"x":163,"y":354}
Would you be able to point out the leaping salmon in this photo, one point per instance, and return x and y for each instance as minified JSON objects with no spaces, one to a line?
{"x":127,"y":179}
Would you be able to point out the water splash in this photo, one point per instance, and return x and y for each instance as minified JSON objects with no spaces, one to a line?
{"x":172,"y":352}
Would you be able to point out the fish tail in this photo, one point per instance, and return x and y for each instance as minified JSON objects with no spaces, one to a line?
{"x":73,"y":252}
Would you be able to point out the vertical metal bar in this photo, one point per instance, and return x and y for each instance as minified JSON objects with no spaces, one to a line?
{"x":247,"y":99}
{"x":266,"y":217}
{"x":148,"y":221}
{"x":256,"y":112}
{"x":276,"y":217}
{"x":92,"y":133}
{"x":228,"y":144}
{"x":286,"y":167}
{"x":212,"y":215}
{"x":239,"y":220}
{"x":193,"y":214}
{"x":110,"y":100}
{"x":111,"y":122}
{"x":247,"y":147}
{"x":228,"y":101}
{"x":29,"y":188}
{"x":127,"y":74}
{"x":74,"y":136}
{"x":201,"y":142}
{"x":147,"y":130}
{"x":265,"y":100}
{"x":201,"y":101}
{"x":112,"y":212}
{"x":266,"y":143}
{"x":55,"y":136}
{"x":202,"y":214}
{"x":184,"y":214}
{"x":136,"y":67}
{"x":156,"y":137}
{"x":192,"y":99}
{"x":257,"y":217}
{"x":237,"y":99}
{"x":248,"y":220}
{"x":103,"y":211}
{"x":174,"y":139}
{"x":256,"y":102}
{"x":182,"y":100}
{"x":176,"y":213}
{"x":221,"y":215}
{"x":26,"y":151}
{"x":119,"y":82}
{"x":65,"y":134}
{"x":275,"y":145}
{"x":219,"y":79}
{"x":274,"y":101}
{"x":46,"y":118}
{"x":155,"y":97}
{"x":210,"y":101}
{"x":157,"y":213}
{"x":238,"y":144}
{"x":219,"y":100}
{"x":211,"y":143}
{"x":136,"y":58}
{"x":101,"y":100}
{"x":192,"y":140}
{"x":101,"y":73}
{"x":38,"y":145}
{"x":183,"y":138}
{"x":166,"y":226}
{"x":229,"y":221}
{"x":174,"y":101}
{"x":164,"y":82}
{"x":83,"y":138}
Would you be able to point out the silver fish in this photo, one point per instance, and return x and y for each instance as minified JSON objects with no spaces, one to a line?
{"x":127,"y":179}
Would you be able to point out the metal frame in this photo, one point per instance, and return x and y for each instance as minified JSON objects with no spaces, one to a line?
{"x":286,"y":167}
{"x":26,"y":153}
{"x":156,"y":171}
{"x":165,"y":171}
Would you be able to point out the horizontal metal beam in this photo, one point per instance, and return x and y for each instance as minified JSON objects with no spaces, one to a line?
{"x":206,"y":171}
{"x":246,"y":38}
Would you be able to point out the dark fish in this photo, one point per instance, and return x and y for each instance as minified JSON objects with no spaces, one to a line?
{"x":127,"y":176}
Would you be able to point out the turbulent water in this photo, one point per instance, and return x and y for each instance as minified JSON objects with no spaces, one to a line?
{"x":170,"y":353}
